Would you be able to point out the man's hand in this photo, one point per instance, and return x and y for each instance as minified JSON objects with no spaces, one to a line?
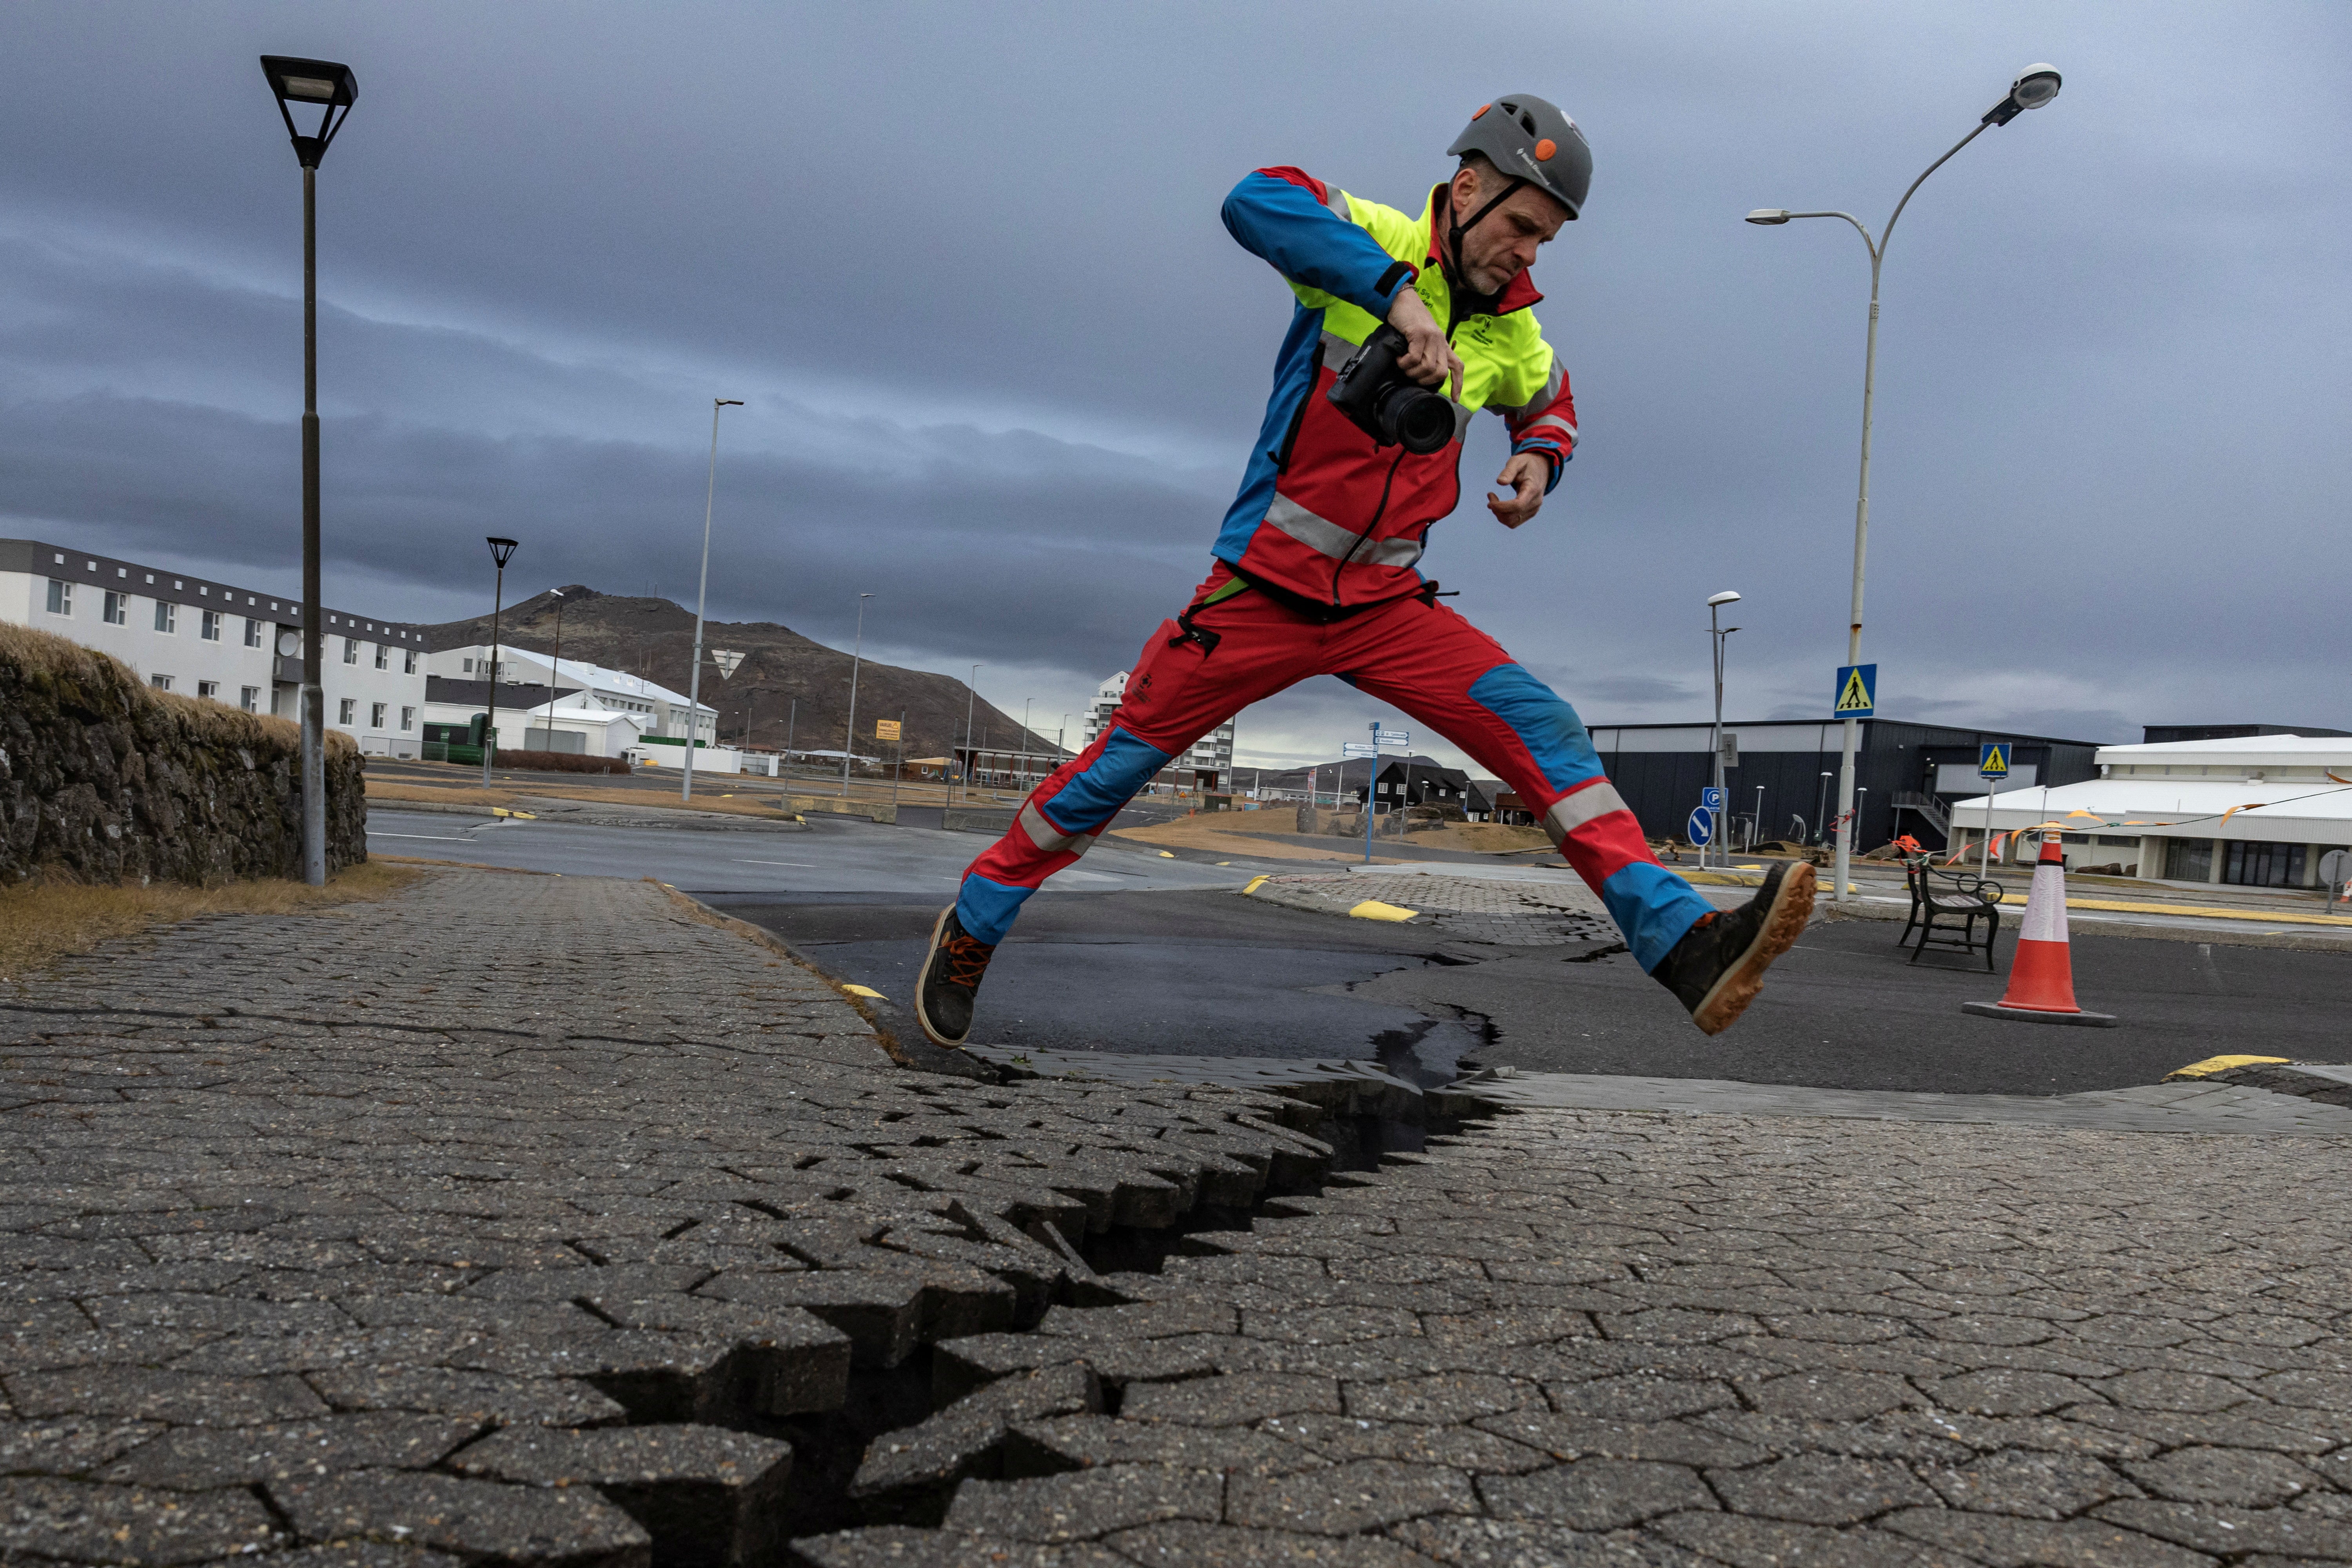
{"x":1429,"y":359}
{"x":1526,"y":473}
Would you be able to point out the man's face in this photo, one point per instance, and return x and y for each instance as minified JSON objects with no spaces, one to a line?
{"x":1504,"y":242}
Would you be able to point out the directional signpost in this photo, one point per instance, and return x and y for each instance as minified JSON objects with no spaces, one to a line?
{"x":1992,"y":766}
{"x":1706,"y":818}
{"x":1373,"y":782}
{"x":1701,"y":826}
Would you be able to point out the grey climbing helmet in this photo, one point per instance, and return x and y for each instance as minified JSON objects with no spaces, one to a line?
{"x":1531,"y":142}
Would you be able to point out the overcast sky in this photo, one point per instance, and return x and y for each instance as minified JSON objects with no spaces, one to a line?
{"x":1002,"y":363}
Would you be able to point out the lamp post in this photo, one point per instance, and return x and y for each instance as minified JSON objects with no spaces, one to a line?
{"x":554,"y":672}
{"x":1821,"y":803}
{"x":971,"y":757}
{"x":1026,"y":704}
{"x":1717,"y":634}
{"x":2035,"y":85}
{"x":501,"y":552}
{"x":849,"y":747}
{"x":332,"y":89}
{"x":701,"y":594}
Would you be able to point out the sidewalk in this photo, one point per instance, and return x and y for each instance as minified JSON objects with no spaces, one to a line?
{"x":540,"y":1222}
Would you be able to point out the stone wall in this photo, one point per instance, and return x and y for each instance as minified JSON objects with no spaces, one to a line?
{"x":105,"y":779}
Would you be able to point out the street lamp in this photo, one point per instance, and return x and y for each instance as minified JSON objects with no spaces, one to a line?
{"x":2035,"y":85}
{"x":1026,"y":704}
{"x":1821,"y":806}
{"x":331,"y":90}
{"x":501,"y":552}
{"x":849,"y":747}
{"x":555,"y":673}
{"x":971,"y":757}
{"x":1719,"y":633}
{"x":702,"y":596}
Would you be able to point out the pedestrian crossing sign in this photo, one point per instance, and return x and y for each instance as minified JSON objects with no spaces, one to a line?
{"x":1857,"y":691}
{"x":1993,"y":760}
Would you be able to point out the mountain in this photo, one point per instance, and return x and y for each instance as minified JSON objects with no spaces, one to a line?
{"x":654,"y":639}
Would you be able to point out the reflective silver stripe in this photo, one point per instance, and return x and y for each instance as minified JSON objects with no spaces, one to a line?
{"x":1050,"y":839}
{"x":1337,"y":350}
{"x":1338,"y":203}
{"x":1556,"y":422}
{"x":1571,"y":812}
{"x":1328,"y":537}
{"x":1462,"y":412}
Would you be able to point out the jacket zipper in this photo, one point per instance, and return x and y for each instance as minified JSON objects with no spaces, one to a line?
{"x":1387,"y":483}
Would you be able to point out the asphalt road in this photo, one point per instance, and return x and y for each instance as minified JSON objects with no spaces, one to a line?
{"x":1131,"y":951}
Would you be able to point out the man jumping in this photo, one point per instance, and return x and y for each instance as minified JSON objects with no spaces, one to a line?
{"x":1313,"y":571}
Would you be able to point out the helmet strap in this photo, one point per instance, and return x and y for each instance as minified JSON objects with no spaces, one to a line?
{"x":1464,"y":226}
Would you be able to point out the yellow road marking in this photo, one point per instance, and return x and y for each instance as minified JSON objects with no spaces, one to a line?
{"x":2203,"y":911}
{"x":2212,"y":1065}
{"x":865,"y":991}
{"x":1373,"y":910}
{"x":1255,"y":883}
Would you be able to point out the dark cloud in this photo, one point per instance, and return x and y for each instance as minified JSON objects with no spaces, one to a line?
{"x":1001,"y":360}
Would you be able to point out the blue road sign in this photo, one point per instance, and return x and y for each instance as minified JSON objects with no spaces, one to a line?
{"x":1701,"y":826}
{"x":1857,"y":691}
{"x":1992,"y":759}
{"x":1710,"y":798}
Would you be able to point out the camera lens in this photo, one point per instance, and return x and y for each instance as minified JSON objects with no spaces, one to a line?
{"x":1423,"y":421}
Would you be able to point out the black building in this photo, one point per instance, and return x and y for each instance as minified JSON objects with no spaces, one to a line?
{"x":1907,"y":775}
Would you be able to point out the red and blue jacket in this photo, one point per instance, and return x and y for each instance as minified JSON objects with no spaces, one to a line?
{"x":1323,"y":513}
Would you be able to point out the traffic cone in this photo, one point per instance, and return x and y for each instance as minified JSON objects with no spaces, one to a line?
{"x":2042,"y":975}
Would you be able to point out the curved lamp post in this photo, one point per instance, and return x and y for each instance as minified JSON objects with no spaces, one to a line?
{"x":857,"y":658}
{"x":2035,"y":85}
{"x":331,"y":90}
{"x":701,"y":596}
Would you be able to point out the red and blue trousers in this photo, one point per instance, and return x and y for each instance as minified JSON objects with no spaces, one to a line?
{"x":1236,"y":646}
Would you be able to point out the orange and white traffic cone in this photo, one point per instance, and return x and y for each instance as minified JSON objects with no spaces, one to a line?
{"x":2041,"y":973}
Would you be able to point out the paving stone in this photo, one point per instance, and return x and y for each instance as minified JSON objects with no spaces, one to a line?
{"x":1085,"y":1504}
{"x":1464,"y":1448}
{"x":1439,"y":1398}
{"x":68,"y":1446}
{"x":2002,"y":1393}
{"x":1639,"y":1397}
{"x":163,"y":1396}
{"x":2035,"y":1544}
{"x":46,"y":1518}
{"x":1832,"y":1396}
{"x":1350,"y":1499}
{"x":2202,"y":1527}
{"x":1515,"y":1543}
{"x":907,"y":1475}
{"x":1233,"y":1400}
{"x":899,"y":1546}
{"x":197,"y":1458}
{"x":2031,"y":1485}
{"x":2245,"y":1477}
{"x":1230,"y":1546}
{"x":480,"y":1396}
{"x":1821,"y":1488}
{"x":1047,"y":1446}
{"x":708,"y":1498}
{"x":481,"y":1521}
{"x":1596,"y":1494}
{"x":1773,"y":1543}
{"x":1573,"y":1437}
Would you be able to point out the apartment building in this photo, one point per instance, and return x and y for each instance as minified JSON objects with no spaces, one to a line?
{"x":203,"y":638}
{"x":1208,"y":765}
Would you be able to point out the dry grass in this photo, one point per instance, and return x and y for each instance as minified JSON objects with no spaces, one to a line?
{"x":44,"y":658}
{"x":42,"y":924}
{"x":511,"y":797}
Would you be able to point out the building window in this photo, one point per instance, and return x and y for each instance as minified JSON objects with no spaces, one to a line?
{"x":167,"y":615}
{"x":375,"y":715}
{"x":349,"y":712}
{"x":252,"y":632}
{"x":469,"y":666}
{"x":408,"y":662}
{"x":249,"y":699}
{"x":61,"y":597}
{"x":382,"y":657}
{"x":351,"y":651}
{"x":208,"y":688}
{"x":2263,"y":865}
{"x":160,"y":682}
{"x":210,"y":629}
{"x":2188,"y":859}
{"x":116,"y":611}
{"x":408,"y":718}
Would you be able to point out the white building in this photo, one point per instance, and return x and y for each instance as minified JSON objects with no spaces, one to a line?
{"x":1209,"y":765}
{"x":595,"y":711}
{"x":2258,"y":811}
{"x":203,"y":638}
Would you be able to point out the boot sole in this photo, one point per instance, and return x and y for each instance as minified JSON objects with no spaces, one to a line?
{"x":921,"y":1017}
{"x":1784,"y":922}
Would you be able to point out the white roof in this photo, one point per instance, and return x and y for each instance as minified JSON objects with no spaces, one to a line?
{"x":2289,"y":811}
{"x":594,"y":675}
{"x":2247,"y":750}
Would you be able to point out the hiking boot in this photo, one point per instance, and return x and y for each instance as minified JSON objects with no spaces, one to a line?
{"x":949,"y":981}
{"x":1718,"y":966}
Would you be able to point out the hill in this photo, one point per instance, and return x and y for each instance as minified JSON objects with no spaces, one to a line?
{"x":654,"y":639}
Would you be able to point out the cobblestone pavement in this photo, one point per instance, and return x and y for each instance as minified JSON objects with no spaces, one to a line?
{"x":1588,"y":1338}
{"x":536,"y":1221}
{"x":388,"y":1226}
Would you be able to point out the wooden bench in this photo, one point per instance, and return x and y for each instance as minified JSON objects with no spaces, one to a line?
{"x":1960,"y":899}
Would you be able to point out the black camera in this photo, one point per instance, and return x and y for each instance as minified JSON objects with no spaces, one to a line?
{"x":1385,"y":404}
